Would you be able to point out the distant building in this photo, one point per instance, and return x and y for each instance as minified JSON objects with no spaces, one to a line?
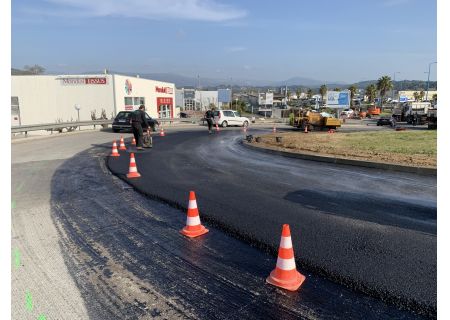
{"x":196,"y":100}
{"x":409,"y":94}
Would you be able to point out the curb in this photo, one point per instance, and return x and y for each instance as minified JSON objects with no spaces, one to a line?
{"x":367,"y":164}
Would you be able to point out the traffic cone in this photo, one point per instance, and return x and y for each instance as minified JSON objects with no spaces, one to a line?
{"x":114,"y":152}
{"x":122,"y":144}
{"x":244,"y":129}
{"x":306,"y":129}
{"x":161,"y":132}
{"x":285,"y":274}
{"x":217,"y":128}
{"x":133,"y":142}
{"x":193,"y":226}
{"x":274,"y":129}
{"x":132,"y":172}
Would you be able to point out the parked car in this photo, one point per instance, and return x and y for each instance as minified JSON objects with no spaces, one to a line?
{"x":226,"y":118}
{"x":347,"y":112}
{"x":122,"y":121}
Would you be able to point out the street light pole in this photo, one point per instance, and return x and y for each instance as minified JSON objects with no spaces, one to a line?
{"x":428,"y":81}
{"x":394,"y":85}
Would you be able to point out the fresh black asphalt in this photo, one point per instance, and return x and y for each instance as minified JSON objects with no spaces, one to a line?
{"x":129,"y":260}
{"x":371,"y":230}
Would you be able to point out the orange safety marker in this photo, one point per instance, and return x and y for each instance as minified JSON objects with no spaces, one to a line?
{"x":244,"y":129}
{"x":133,"y":142}
{"x":122,"y":144}
{"x":217,"y":128}
{"x":161,"y":132}
{"x":132,"y":172}
{"x":285,"y":274}
{"x":114,"y":152}
{"x":274,"y":129}
{"x":193,"y":227}
{"x":306,"y":129}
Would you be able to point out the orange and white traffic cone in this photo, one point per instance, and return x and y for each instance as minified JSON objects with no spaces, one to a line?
{"x":193,"y":227}
{"x":274,"y":129}
{"x":132,"y":172}
{"x":217,"y":128}
{"x":244,"y":129}
{"x":161,"y":132}
{"x":133,"y":142}
{"x":114,"y":152}
{"x":122,"y":144}
{"x":306,"y":129}
{"x":285,"y":274}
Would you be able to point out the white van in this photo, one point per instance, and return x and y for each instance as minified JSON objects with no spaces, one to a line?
{"x":225,"y":118}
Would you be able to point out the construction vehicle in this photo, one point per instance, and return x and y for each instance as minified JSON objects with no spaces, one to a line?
{"x":373,"y":111}
{"x":432,"y":118}
{"x":313,"y":120}
{"x":412,"y":112}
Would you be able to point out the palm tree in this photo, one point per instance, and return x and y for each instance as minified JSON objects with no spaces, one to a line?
{"x":416,"y":96}
{"x":434,"y":98}
{"x":384,"y":84}
{"x":337,"y":89}
{"x":421,"y":95}
{"x":309,"y":93}
{"x":323,"y":91}
{"x":352,"y":89}
{"x":371,"y":92}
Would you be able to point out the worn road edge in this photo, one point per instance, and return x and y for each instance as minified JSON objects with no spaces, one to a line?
{"x":367,"y":164}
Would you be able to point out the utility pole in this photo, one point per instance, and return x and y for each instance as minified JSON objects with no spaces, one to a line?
{"x":428,"y":81}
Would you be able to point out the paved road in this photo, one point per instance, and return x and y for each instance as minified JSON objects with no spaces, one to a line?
{"x":91,"y":248}
{"x":372,"y":230}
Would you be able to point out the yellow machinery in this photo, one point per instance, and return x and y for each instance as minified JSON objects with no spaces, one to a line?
{"x":315,"y":121}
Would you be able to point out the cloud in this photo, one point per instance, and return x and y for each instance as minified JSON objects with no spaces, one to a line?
{"x":203,"y":10}
{"x":235,"y":49}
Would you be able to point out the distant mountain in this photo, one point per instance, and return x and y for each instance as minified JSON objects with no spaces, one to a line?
{"x":211,"y":83}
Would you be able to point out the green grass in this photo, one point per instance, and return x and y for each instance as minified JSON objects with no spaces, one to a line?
{"x":401,"y":142}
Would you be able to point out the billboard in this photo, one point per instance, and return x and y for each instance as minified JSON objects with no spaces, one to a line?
{"x":338,"y":99}
{"x":269,"y":98}
{"x":224,"y":95}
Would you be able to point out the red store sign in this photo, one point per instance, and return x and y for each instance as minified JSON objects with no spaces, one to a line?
{"x":82,"y":81}
{"x":167,"y":90}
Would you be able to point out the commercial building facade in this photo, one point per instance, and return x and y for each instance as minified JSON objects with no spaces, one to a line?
{"x":60,"y":98}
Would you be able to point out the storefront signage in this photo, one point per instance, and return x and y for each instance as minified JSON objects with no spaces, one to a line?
{"x":167,"y":90}
{"x":128,"y":87}
{"x":82,"y":81}
{"x":160,"y":101}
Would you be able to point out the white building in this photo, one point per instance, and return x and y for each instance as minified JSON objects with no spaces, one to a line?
{"x":53,"y":98}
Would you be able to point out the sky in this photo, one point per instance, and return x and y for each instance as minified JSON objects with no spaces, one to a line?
{"x":346,"y":41}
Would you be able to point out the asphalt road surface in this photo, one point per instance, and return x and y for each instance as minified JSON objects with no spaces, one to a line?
{"x":371,"y":230}
{"x":86,"y":246}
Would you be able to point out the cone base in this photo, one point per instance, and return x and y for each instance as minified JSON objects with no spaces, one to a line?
{"x":133,"y":175}
{"x":291,"y":284}
{"x":114,"y":155}
{"x":193,"y":234}
{"x":123,"y":148}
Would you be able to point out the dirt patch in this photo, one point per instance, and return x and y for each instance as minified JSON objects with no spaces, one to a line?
{"x":408,"y":148}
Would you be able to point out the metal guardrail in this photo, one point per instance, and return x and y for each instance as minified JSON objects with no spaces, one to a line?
{"x":58,"y":126}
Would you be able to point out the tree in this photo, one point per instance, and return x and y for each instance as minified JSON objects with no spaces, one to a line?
{"x":421,"y":95}
{"x":298,"y":92}
{"x":323,"y":90}
{"x":309,"y":93}
{"x":36,"y":69}
{"x":384,"y":84}
{"x":434,"y":98}
{"x":371,"y":92}
{"x":337,"y":89}
{"x":352,"y":89}
{"x":416,"y":96}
